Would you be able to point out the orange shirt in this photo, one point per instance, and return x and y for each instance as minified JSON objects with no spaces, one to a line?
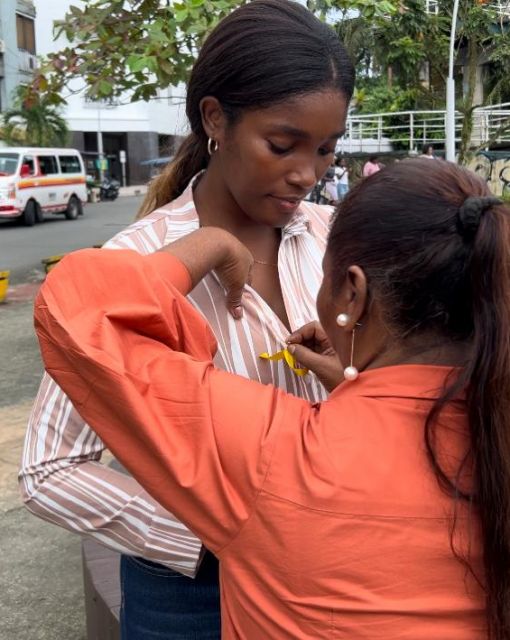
{"x":327,"y":519}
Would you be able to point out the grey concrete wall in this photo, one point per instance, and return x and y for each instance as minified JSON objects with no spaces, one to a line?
{"x":141,"y":145}
{"x":76,"y":140}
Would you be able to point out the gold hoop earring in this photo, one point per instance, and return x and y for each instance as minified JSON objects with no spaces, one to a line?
{"x":212,"y":146}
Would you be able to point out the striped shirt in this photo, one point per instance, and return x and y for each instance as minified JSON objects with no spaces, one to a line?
{"x":62,"y":479}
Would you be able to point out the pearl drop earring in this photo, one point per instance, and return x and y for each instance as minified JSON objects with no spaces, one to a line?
{"x":342,"y":319}
{"x":350,"y":372}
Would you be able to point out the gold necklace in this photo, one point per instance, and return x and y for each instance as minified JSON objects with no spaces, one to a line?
{"x":267,"y":264}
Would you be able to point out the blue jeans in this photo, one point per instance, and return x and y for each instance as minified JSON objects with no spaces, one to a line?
{"x":342,"y":190}
{"x":161,"y":604}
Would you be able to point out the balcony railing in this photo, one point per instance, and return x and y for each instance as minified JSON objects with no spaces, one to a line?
{"x":380,"y":132}
{"x":27,"y":61}
{"x":502,"y":7}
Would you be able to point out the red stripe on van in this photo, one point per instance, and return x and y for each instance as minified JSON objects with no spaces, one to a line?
{"x":49,"y":182}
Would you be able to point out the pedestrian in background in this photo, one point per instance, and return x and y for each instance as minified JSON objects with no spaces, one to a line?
{"x":372,"y":166}
{"x":380,"y":513}
{"x":329,"y":192}
{"x":342,"y":178}
{"x":267,"y":100}
{"x":428,"y":152}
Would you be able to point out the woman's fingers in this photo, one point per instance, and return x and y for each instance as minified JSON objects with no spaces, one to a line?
{"x":313,"y":336}
{"x":212,"y":249}
{"x":306,"y":333}
{"x":234,"y":273}
{"x":326,"y":367}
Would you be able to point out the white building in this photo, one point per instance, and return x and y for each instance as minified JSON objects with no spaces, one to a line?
{"x":17,"y":47}
{"x":143,"y":130}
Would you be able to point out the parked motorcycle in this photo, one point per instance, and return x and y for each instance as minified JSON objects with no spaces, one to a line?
{"x":109,"y":189}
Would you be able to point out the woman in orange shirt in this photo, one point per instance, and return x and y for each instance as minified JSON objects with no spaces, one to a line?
{"x":380,"y":513}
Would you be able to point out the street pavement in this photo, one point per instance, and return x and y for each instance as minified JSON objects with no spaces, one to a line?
{"x":23,"y":248}
{"x":41,"y":590}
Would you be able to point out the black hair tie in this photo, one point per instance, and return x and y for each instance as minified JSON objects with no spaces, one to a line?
{"x":471,"y":211}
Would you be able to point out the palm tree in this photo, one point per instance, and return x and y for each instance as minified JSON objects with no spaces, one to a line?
{"x":33,"y":121}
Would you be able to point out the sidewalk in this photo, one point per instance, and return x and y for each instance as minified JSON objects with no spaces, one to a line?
{"x":135,"y":190}
{"x":40,"y":572}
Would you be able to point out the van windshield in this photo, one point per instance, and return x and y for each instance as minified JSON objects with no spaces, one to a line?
{"x":8,"y":163}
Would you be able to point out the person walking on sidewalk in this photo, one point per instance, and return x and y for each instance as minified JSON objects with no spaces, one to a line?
{"x":342,"y":178}
{"x":266,"y":101}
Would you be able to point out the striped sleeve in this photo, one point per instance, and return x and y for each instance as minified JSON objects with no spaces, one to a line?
{"x":63,"y":480}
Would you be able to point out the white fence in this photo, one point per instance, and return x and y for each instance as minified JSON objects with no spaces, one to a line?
{"x":380,"y":132}
{"x":502,"y":7}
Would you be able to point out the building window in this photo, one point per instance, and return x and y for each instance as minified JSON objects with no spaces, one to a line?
{"x":26,"y":33}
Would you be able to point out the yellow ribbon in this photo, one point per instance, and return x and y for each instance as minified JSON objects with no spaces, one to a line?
{"x":289,"y":359}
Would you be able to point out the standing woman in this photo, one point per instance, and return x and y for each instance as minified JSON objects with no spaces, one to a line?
{"x":266,"y":102}
{"x":342,"y":176}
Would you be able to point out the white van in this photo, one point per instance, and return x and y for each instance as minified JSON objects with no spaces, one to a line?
{"x":35,"y":181}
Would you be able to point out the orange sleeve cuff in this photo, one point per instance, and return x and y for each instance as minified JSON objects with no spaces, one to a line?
{"x":172,"y":270}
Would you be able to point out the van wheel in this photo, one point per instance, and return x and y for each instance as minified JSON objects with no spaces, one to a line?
{"x":39,"y":215}
{"x":30,"y":214}
{"x":74,"y":208}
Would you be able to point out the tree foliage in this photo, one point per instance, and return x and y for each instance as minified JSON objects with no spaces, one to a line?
{"x":34,"y":122}
{"x":135,"y":48}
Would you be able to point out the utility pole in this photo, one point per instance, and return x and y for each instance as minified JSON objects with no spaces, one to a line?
{"x":450,"y":91}
{"x":100,"y":152}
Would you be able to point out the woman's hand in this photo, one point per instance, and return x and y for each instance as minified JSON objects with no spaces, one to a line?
{"x":213,"y":249}
{"x":311,"y":348}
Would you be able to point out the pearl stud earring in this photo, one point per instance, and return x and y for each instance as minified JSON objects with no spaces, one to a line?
{"x":342,"y":319}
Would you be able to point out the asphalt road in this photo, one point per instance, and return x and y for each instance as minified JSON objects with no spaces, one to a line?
{"x":23,"y":248}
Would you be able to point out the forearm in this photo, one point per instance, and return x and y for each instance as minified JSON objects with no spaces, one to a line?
{"x":111,"y":507}
{"x":62,"y":480}
{"x":201,"y":251}
{"x":135,"y":358}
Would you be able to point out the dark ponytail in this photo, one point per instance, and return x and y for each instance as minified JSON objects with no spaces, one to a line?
{"x":263,"y":53}
{"x":190,"y":159}
{"x":488,"y":382}
{"x":440,"y":269}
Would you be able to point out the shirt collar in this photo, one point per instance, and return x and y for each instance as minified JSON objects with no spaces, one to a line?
{"x":423,"y":382}
{"x":298,"y":225}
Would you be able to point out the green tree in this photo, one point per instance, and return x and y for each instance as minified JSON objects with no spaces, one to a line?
{"x":129,"y":46}
{"x":130,"y":49}
{"x":34,"y":121}
{"x":135,"y":48}
{"x":482,"y":34}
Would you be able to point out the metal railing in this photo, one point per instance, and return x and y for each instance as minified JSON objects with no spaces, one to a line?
{"x":432,"y":6}
{"x":502,"y":7}
{"x":380,"y":132}
{"x":27,"y":61}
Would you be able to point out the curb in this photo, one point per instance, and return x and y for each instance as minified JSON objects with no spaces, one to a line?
{"x":137,"y":190}
{"x":50,"y":262}
{"x":23,"y":292}
{"x":27,"y":290}
{"x":4,"y":284}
